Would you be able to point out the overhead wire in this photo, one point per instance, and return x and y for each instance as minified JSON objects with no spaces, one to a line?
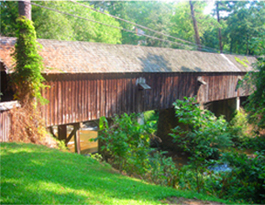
{"x":120,"y":28}
{"x":143,"y":27}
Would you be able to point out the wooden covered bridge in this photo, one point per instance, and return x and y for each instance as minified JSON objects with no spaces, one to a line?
{"x":89,"y":80}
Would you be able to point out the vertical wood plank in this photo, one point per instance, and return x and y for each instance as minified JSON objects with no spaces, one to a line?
{"x":118,"y":96}
{"x":98,"y":98}
{"x":102,"y":95}
{"x":113,"y":97}
{"x":56,"y":113}
{"x":175,"y":88}
{"x":129,"y":95}
{"x":83,"y":99}
{"x":94,"y":101}
{"x":86,"y":90}
{"x":133,"y":83}
{"x":59,"y":108}
{"x":89,"y":99}
{"x":107,"y":97}
{"x":77,"y":139}
{"x":68,"y":99}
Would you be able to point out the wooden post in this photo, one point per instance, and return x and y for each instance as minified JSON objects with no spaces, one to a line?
{"x":62,"y":132}
{"x":24,"y":8}
{"x":77,"y":138}
{"x":237,"y":103}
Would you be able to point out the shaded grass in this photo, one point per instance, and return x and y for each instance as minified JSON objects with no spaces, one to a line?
{"x":34,"y":174}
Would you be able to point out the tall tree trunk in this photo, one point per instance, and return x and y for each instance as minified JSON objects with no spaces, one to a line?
{"x":197,"y":37}
{"x":24,"y":8}
{"x":219,"y":29}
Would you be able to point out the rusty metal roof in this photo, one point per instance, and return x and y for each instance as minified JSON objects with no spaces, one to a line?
{"x":88,"y":57}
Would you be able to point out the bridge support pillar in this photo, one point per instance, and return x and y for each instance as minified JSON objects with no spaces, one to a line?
{"x":62,"y":132}
{"x":166,"y":122}
{"x":237,"y":103}
{"x":224,"y":107}
{"x":77,"y":138}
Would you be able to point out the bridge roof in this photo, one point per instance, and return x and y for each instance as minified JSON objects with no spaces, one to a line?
{"x":88,"y":57}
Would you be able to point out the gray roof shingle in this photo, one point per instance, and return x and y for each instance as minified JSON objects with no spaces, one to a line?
{"x":88,"y":57}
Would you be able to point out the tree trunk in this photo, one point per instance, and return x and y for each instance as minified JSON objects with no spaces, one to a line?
{"x":197,"y":37}
{"x":219,"y":29}
{"x":24,"y":8}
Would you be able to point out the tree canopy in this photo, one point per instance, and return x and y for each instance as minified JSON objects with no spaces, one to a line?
{"x":238,"y":23}
{"x":52,"y":25}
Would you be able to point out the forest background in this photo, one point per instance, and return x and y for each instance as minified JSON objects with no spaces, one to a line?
{"x":236,"y":24}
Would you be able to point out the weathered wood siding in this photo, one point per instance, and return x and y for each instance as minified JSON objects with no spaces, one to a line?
{"x":83,"y":97}
{"x":5,"y":125}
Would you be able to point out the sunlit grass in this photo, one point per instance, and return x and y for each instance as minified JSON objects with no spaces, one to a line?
{"x":32,"y":174}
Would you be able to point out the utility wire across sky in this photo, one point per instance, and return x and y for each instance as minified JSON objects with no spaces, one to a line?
{"x":205,"y":48}
{"x":120,"y":28}
{"x":138,"y":25}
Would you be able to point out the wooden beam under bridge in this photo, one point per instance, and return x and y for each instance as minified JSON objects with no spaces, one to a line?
{"x":62,"y":135}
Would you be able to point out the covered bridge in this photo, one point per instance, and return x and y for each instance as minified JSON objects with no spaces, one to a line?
{"x":89,"y":80}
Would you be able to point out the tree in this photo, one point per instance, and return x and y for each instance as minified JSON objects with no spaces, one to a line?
{"x":52,"y":25}
{"x":195,"y":27}
{"x":9,"y":14}
{"x":182,"y":25}
{"x":245,"y":21}
{"x":256,"y":101}
{"x":155,"y":15}
{"x":27,"y":79}
{"x":219,"y":29}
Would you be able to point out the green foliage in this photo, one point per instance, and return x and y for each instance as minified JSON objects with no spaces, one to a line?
{"x":256,"y":101}
{"x":52,"y":25}
{"x":8,"y":16}
{"x":247,"y":178}
{"x":243,"y":183}
{"x":205,"y":135}
{"x":258,"y":44}
{"x":162,"y":170}
{"x":126,"y":141}
{"x":27,"y":76}
{"x":151,"y":118}
{"x":245,"y":21}
{"x":182,"y":25}
{"x":239,"y":129}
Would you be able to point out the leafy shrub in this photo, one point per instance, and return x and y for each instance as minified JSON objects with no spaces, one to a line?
{"x":202,"y":138}
{"x":239,"y":130}
{"x":247,"y":178}
{"x":205,"y":135}
{"x":151,"y":118}
{"x":162,"y":170}
{"x":256,"y":101}
{"x":126,"y":141}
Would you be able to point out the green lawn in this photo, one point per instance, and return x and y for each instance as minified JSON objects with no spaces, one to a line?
{"x":32,"y":174}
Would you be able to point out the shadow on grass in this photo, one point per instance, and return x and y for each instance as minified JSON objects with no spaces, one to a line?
{"x":36,"y":174}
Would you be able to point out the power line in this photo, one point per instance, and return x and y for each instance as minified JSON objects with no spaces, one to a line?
{"x":120,"y":28}
{"x":138,"y":25}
